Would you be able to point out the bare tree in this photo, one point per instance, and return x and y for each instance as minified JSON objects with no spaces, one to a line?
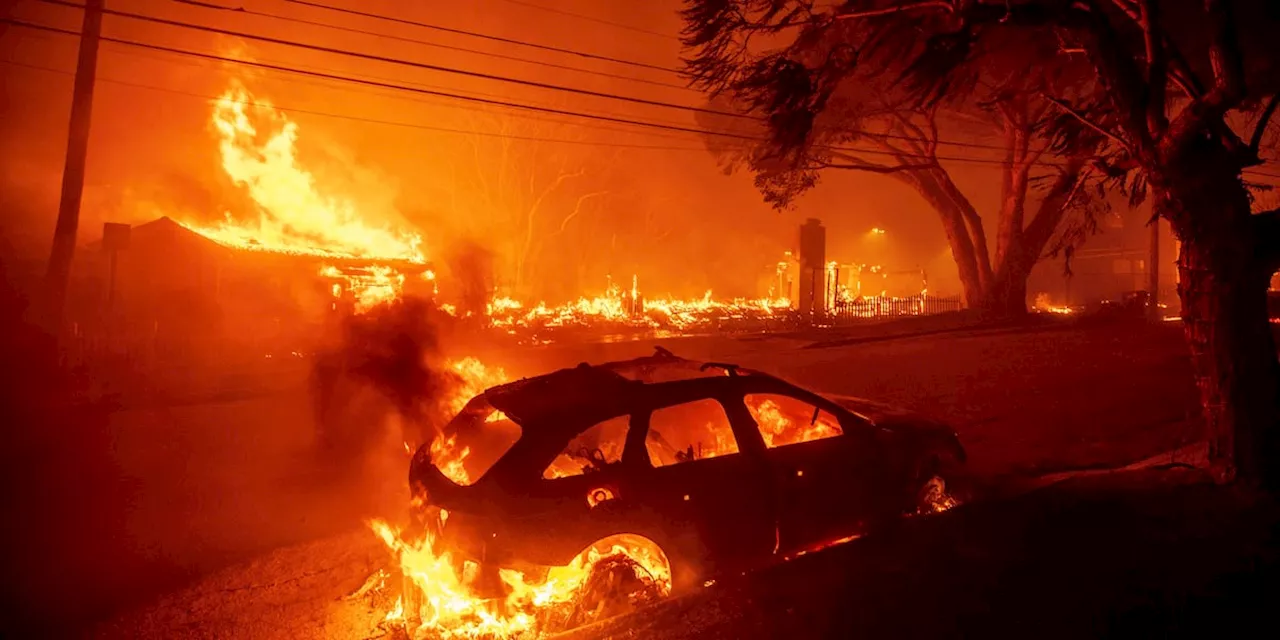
{"x":1164,"y":78}
{"x":521,"y":184}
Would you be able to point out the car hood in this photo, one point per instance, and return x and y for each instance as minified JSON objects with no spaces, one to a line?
{"x":896,"y":419}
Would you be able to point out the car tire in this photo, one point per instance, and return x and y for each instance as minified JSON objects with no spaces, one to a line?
{"x":941,"y":484}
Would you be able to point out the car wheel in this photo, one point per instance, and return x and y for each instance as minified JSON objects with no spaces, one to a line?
{"x":941,"y":485}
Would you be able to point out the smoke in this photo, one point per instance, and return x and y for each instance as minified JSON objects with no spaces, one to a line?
{"x":385,"y":362}
{"x":470,"y":270}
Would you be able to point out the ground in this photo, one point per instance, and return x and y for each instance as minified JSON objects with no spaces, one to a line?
{"x":1143,"y":554}
{"x":201,"y":493}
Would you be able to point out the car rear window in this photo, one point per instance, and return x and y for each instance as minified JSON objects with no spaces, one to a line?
{"x":473,"y":441}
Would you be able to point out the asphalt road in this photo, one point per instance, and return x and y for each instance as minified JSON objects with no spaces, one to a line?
{"x":195,"y":490}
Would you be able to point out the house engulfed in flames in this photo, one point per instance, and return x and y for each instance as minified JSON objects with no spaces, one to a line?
{"x":177,"y":283}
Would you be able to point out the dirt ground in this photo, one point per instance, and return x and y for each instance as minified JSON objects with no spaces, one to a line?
{"x":190,"y":493}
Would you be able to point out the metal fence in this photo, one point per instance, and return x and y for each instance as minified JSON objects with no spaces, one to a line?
{"x":887,"y":307}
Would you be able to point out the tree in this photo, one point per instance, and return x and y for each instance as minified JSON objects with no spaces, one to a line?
{"x":517,"y":188}
{"x":862,"y":124}
{"x":1166,"y":78}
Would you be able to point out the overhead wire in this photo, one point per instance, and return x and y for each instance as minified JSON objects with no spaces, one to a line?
{"x":490,"y":37}
{"x":396,"y":94}
{"x":493,"y":102}
{"x":601,"y":94}
{"x":619,"y":25}
{"x":328,"y":114}
{"x":564,"y":67}
{"x":404,"y":63}
{"x":498,"y":102}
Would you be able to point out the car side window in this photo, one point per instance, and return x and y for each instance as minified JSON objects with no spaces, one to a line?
{"x":687,"y":432}
{"x":786,"y":420}
{"x":591,"y":450}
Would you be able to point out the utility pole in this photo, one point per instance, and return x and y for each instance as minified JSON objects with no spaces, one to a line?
{"x":1153,"y":272}
{"x":64,"y":235}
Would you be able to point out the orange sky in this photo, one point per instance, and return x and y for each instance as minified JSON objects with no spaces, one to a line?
{"x":667,"y":214}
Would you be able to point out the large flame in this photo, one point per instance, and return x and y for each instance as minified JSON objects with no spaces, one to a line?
{"x":258,"y":147}
{"x":441,"y":598}
{"x":441,"y":601}
{"x":260,"y":155}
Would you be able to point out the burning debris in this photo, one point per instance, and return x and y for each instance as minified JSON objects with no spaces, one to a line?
{"x":440,"y":597}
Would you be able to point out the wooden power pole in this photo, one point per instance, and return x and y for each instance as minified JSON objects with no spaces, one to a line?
{"x":64,"y":235}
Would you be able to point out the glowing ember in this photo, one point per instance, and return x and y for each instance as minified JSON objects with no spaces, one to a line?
{"x":441,"y":602}
{"x":934,"y":497}
{"x":1043,"y":305}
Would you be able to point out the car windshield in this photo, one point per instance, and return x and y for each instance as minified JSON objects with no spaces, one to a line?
{"x":473,"y":441}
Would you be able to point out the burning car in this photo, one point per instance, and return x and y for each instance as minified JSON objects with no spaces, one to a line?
{"x":717,"y":468}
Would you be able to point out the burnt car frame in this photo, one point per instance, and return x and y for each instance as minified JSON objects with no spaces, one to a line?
{"x":710,"y":515}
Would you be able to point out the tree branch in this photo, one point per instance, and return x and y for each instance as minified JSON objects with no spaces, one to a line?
{"x":1224,"y":57}
{"x":874,"y":168}
{"x":1255,"y":141}
{"x":577,"y":208}
{"x":1054,"y":206}
{"x":897,"y":8}
{"x":1087,"y":122}
{"x":1180,"y":71}
{"x":1123,"y":83}
{"x":1157,"y":74}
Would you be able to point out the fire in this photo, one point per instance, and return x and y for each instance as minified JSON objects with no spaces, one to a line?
{"x":934,"y":497}
{"x":474,"y":377}
{"x":627,"y":308}
{"x":441,"y":597}
{"x":257,"y":144}
{"x":441,"y":602}
{"x":1043,"y":304}
{"x":778,"y":429}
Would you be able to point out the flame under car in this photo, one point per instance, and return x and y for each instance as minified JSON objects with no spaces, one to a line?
{"x":724,"y":469}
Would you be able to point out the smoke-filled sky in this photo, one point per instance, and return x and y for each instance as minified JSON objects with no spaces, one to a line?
{"x":647,"y":201}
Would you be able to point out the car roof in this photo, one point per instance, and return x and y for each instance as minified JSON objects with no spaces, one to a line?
{"x":587,"y":391}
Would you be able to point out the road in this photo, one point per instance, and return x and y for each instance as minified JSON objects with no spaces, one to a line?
{"x":197,"y":488}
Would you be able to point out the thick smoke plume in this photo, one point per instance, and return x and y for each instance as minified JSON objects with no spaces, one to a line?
{"x":388,"y":359}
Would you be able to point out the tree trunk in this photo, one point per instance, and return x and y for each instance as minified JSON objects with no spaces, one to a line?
{"x":1006,"y":298}
{"x":958,"y":238}
{"x":1222,"y":283}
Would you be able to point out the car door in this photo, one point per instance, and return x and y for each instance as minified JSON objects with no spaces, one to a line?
{"x":826,"y":478}
{"x":709,"y":489}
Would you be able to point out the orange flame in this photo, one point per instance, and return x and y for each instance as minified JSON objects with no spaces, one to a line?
{"x":445,"y":604}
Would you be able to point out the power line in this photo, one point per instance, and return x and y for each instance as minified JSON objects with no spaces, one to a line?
{"x":500,"y":103}
{"x":576,"y":90}
{"x":449,"y":104}
{"x":589,"y":18}
{"x":425,"y":43}
{"x":393,"y":94}
{"x":327,"y":114}
{"x":418,"y":65}
{"x":495,"y":102}
{"x":485,"y":36}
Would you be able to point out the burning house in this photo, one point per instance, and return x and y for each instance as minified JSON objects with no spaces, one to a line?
{"x":161,"y":290}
